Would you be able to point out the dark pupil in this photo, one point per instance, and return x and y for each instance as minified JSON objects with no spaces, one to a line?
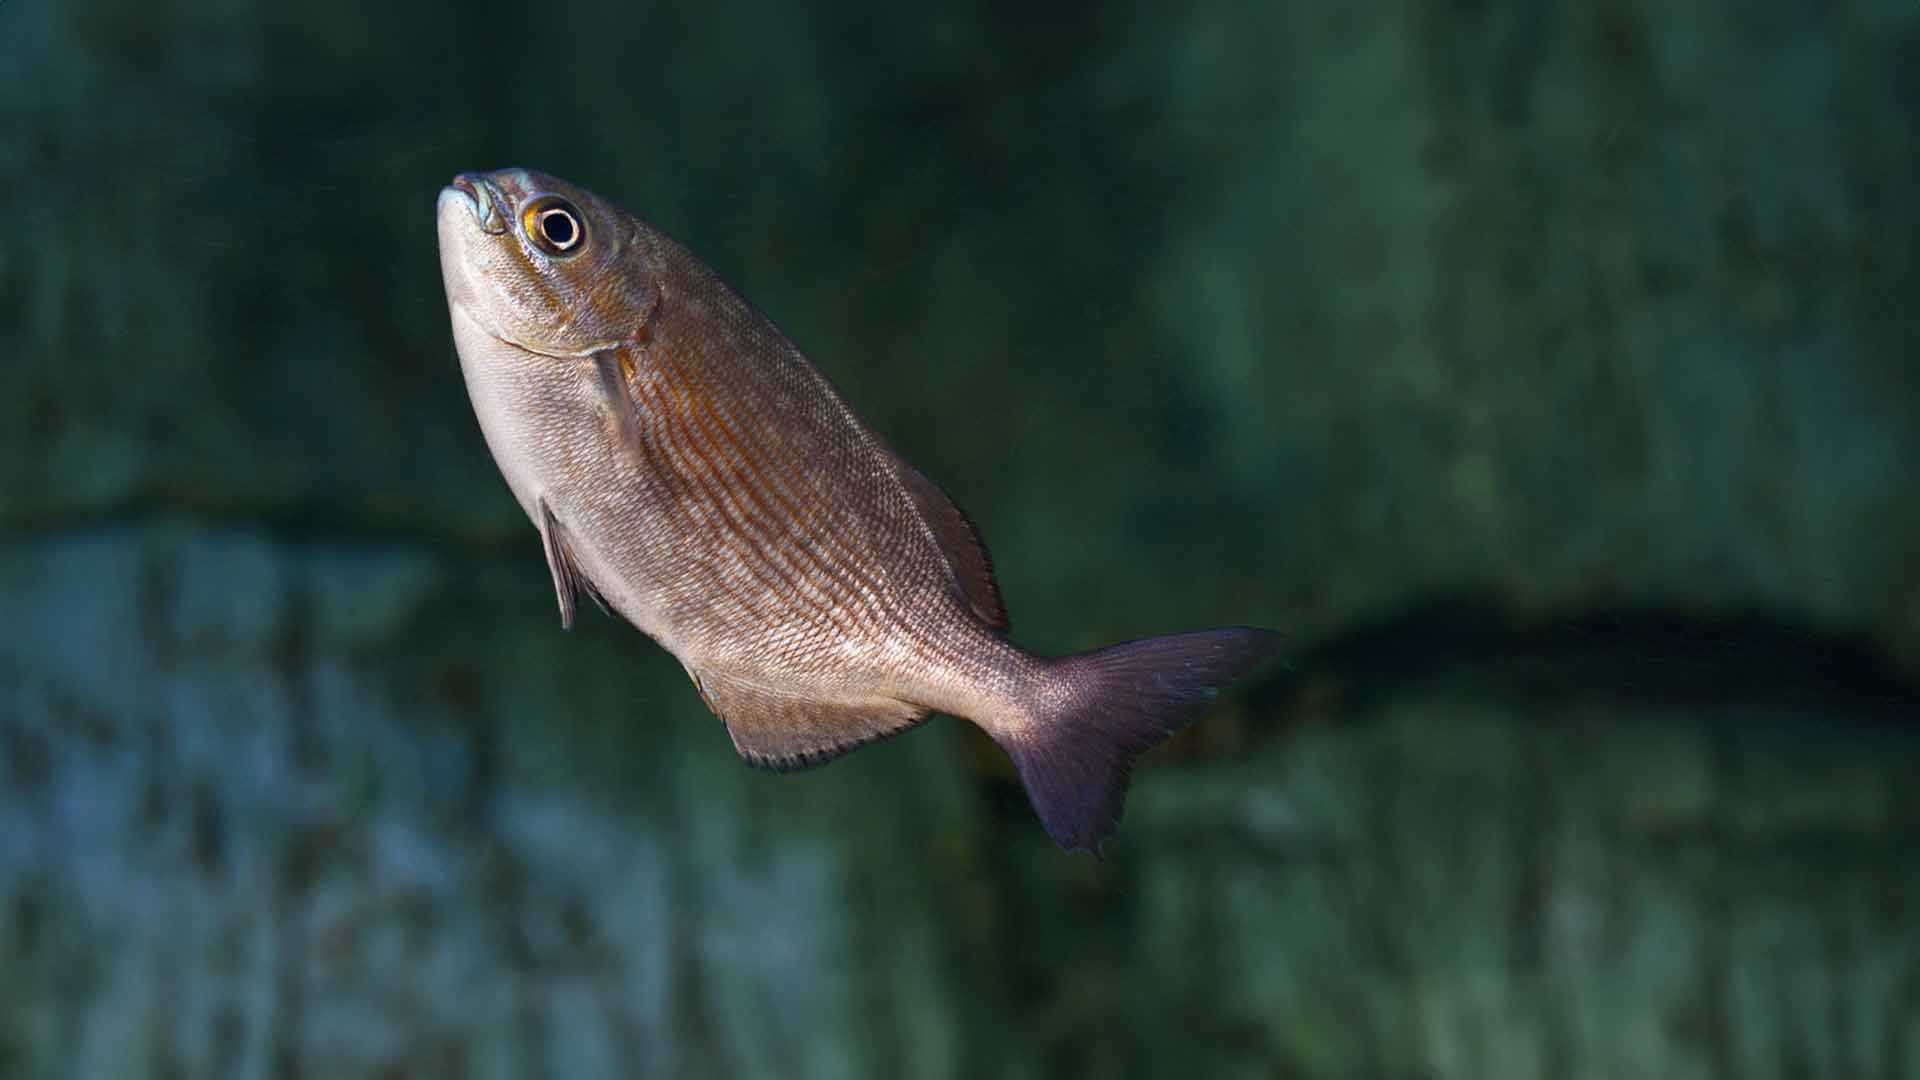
{"x":557,"y":226}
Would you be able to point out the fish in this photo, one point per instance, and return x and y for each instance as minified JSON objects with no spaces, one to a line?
{"x":687,"y":467}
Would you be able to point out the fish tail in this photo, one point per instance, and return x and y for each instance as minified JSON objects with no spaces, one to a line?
{"x":1093,"y":713}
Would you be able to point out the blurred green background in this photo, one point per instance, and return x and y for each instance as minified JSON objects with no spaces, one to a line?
{"x":1549,"y":372}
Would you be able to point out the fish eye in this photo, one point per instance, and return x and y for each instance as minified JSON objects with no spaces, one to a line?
{"x":554,"y":226}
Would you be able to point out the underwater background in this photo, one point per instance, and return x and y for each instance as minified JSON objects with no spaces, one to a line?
{"x":1549,"y":373}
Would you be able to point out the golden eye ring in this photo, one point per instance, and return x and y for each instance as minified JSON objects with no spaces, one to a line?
{"x":554,"y":226}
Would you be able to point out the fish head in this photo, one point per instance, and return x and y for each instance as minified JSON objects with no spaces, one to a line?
{"x":544,"y":265}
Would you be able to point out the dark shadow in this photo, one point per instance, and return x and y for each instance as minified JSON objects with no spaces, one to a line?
{"x":1645,"y":657}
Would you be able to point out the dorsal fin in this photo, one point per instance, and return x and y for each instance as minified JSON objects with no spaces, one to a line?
{"x":773,"y":731}
{"x":960,"y":540}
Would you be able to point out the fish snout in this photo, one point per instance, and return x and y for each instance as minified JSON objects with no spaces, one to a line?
{"x":485,"y":200}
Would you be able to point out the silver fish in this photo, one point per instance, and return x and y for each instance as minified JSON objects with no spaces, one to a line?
{"x":690,"y":469}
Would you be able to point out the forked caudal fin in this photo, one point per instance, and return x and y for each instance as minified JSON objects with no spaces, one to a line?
{"x":1111,"y":705}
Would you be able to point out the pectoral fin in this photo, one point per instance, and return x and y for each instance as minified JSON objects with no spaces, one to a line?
{"x":567,"y":579}
{"x":614,"y":367}
{"x":772,"y":731}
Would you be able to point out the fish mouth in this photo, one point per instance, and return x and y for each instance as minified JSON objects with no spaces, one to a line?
{"x":484,"y":200}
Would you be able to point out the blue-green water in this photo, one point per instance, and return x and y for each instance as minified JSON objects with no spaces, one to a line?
{"x":1549,"y":373}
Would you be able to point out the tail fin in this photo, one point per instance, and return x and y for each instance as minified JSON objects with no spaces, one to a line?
{"x":1108,"y":706}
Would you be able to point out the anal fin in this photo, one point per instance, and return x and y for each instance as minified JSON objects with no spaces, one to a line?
{"x":775,"y":731}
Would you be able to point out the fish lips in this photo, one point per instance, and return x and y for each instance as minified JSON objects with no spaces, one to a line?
{"x":483,"y":200}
